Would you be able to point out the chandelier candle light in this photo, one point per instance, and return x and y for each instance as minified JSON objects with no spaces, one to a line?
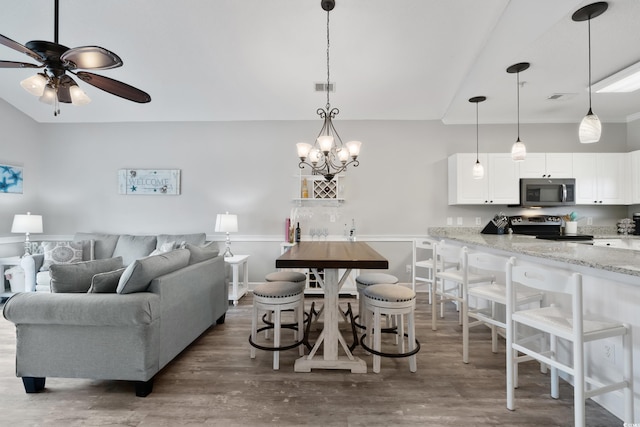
{"x":328,"y":156}
{"x":478,"y":169}
{"x":590,"y":127}
{"x":227,"y":223}
{"x":518,"y":149}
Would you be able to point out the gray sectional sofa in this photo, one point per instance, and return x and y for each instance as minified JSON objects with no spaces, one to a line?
{"x":122,"y":324}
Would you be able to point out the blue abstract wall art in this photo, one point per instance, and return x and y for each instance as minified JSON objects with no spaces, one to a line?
{"x":10,"y":179}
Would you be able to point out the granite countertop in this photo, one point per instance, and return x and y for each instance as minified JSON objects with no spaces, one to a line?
{"x":620,"y":261}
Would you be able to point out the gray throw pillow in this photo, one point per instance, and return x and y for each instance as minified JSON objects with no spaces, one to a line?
{"x":131,"y":248}
{"x":139,"y":274}
{"x":194,"y":239}
{"x":105,"y":282}
{"x":68,"y":278}
{"x":104,"y":243}
{"x":202,"y":253}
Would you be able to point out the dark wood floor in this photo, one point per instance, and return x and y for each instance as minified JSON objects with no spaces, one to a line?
{"x":214,"y":382}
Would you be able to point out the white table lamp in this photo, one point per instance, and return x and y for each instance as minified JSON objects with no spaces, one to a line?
{"x":227,"y":223}
{"x":27,"y":224}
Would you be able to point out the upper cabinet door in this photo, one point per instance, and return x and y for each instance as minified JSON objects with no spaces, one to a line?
{"x":600,"y":178}
{"x":547,"y":165}
{"x":504,"y":179}
{"x":463,"y":188}
{"x":635,"y":177}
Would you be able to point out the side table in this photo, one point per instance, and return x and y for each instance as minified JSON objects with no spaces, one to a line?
{"x":6,"y":262}
{"x":237,"y":289}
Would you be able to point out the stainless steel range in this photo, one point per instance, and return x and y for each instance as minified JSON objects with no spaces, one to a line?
{"x":546,"y":227}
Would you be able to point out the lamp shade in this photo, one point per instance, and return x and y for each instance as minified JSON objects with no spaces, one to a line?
{"x":27,"y":223}
{"x":590,"y":129}
{"x":518,"y":151}
{"x":227,"y":223}
{"x":478,"y":170}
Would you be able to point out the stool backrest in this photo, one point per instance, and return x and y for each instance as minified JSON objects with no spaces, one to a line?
{"x":444,"y":254}
{"x":481,"y":262}
{"x":549,"y":280}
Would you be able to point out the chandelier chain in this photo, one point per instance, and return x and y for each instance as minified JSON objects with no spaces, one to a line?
{"x":328,"y":68}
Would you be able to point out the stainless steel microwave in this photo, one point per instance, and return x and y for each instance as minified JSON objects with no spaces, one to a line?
{"x":547,"y":192}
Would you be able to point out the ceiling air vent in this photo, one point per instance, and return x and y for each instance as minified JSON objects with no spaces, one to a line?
{"x":561,"y":96}
{"x":322,"y":87}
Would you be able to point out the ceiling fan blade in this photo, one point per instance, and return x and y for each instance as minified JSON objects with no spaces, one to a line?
{"x":20,"y":48}
{"x":114,"y":87}
{"x":12,"y":64}
{"x":91,"y":58}
{"x":63,"y":89}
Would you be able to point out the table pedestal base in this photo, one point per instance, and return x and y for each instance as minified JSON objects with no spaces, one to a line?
{"x":356,"y":365}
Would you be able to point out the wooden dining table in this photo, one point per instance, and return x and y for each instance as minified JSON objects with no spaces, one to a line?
{"x":331,"y":257}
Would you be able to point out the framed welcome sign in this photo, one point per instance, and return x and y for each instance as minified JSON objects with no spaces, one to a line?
{"x":156,"y":182}
{"x":10,"y":179}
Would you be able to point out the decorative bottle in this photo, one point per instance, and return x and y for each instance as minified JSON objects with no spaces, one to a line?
{"x":305,"y":189}
{"x":298,"y":233}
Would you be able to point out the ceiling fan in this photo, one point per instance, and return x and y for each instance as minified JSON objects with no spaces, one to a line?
{"x":54,"y":85}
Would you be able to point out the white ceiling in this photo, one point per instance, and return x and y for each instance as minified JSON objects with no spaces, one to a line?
{"x":221,"y":60}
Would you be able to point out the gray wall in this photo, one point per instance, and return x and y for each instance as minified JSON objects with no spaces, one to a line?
{"x":249,"y":168}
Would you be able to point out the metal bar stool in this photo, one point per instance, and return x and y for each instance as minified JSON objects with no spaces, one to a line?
{"x":393,"y":301}
{"x":277,"y":297}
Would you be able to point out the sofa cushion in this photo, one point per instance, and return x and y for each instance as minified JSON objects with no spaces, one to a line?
{"x":194,"y":239}
{"x":60,"y":253}
{"x":105,"y":282}
{"x":141,"y":272}
{"x":165,"y":247}
{"x":104,"y":244}
{"x":77,"y":277}
{"x":202,"y":253}
{"x":131,"y":248}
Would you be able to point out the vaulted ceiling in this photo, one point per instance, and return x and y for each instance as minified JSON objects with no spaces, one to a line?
{"x":221,"y":60}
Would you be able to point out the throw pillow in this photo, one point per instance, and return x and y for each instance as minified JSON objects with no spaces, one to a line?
{"x":165,"y":247}
{"x":202,"y":253}
{"x":139,"y":274}
{"x":131,"y":247}
{"x":105,"y":282}
{"x":194,"y":239}
{"x":68,"y":278}
{"x":61,"y":253}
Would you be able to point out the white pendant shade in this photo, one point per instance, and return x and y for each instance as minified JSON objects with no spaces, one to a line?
{"x":78,"y":96}
{"x":35,"y":84}
{"x":478,"y":170}
{"x":590,"y":129}
{"x":518,"y":151}
{"x":48,"y":95}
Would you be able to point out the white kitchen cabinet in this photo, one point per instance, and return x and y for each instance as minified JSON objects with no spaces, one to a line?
{"x":635,"y":177}
{"x":547,"y":165}
{"x":600,"y":178}
{"x":500,"y":185}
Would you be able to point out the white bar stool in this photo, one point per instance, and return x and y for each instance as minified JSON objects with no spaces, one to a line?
{"x":276,"y":297}
{"x":393,"y":301}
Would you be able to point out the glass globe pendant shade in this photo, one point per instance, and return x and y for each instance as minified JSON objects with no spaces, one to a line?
{"x":478,"y":170}
{"x":78,"y":96}
{"x":590,"y":129}
{"x":518,"y":151}
{"x":48,"y":96}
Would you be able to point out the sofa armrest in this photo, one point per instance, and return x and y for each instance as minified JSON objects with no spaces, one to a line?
{"x":31,"y":265}
{"x":141,"y":308}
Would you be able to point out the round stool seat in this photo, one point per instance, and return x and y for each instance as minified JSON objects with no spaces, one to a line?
{"x":389,"y":293}
{"x":285,"y":276}
{"x":278,"y":289}
{"x":368,"y":279}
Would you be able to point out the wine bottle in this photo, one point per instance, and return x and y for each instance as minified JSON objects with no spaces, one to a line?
{"x":298,"y":233}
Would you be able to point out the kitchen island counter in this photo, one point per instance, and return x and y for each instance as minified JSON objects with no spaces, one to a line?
{"x":623,"y":265}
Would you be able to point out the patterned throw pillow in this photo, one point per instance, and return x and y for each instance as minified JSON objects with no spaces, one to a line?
{"x":61,"y":253}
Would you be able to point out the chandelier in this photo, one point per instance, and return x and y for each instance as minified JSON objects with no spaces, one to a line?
{"x":328,"y":156}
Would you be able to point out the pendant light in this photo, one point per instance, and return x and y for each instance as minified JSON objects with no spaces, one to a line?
{"x":518,"y":149}
{"x":590,"y":128}
{"x":478,"y":169}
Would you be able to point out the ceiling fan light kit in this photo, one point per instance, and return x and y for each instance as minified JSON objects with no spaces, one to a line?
{"x":590,"y":128}
{"x":53,"y":85}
